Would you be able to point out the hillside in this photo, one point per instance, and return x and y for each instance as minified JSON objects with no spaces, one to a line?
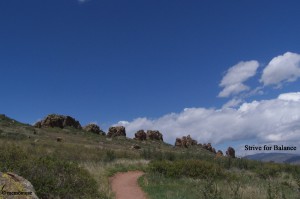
{"x":275,"y":157}
{"x":70,"y":161}
{"x":13,"y":130}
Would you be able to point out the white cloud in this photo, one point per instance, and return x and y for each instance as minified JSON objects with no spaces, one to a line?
{"x":233,"y":89}
{"x":267,"y":121}
{"x":232,"y":103}
{"x":235,"y":76}
{"x":290,"y":96}
{"x":283,"y":68}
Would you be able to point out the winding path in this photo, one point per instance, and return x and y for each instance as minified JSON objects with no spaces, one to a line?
{"x":125,"y":185}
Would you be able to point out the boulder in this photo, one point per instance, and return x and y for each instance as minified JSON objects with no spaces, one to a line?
{"x":140,"y":135}
{"x":94,"y":128}
{"x":60,"y":121}
{"x":14,"y":186}
{"x":230,"y":152}
{"x":207,"y":147}
{"x":214,"y":150}
{"x":178,"y":142}
{"x":219,"y":154}
{"x":154,"y":135}
{"x":38,"y":124}
{"x":185,"y":141}
{"x":116,"y":131}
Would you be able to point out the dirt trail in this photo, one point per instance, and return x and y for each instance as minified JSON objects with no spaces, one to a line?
{"x":125,"y":185}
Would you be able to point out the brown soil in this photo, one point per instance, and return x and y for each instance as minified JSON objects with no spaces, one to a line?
{"x":125,"y":185}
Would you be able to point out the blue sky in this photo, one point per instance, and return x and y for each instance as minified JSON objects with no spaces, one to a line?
{"x":142,"y":63}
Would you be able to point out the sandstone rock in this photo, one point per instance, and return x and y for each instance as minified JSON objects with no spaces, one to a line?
{"x":219,"y":154}
{"x":60,"y":121}
{"x":154,"y":135}
{"x":12,"y":184}
{"x":140,"y":135}
{"x":94,"y":129}
{"x":208,"y":147}
{"x":230,"y":152}
{"x":185,"y":141}
{"x":213,"y":150}
{"x":116,"y":131}
{"x":178,"y":142}
{"x":38,"y":125}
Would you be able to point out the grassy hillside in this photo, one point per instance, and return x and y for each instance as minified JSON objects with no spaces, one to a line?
{"x":79,"y":166}
{"x":276,"y":157}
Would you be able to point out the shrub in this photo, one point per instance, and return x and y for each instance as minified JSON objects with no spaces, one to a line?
{"x":109,"y":156}
{"x":50,"y":176}
{"x":268,"y":170}
{"x":187,"y":168}
{"x":53,"y":177}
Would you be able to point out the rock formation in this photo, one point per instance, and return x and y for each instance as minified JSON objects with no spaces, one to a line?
{"x":219,"y":154}
{"x":230,"y":152}
{"x":12,"y":184}
{"x":154,"y":135}
{"x":140,"y":135}
{"x":60,"y":121}
{"x":94,"y":129}
{"x":116,"y":131}
{"x":209,"y":148}
{"x":185,"y":141}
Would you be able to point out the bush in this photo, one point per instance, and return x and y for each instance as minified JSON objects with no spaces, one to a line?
{"x":186,"y":168}
{"x":50,"y":176}
{"x":268,"y":170}
{"x":109,"y":156}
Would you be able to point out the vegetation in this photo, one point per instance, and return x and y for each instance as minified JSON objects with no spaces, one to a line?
{"x":79,"y":166}
{"x":213,"y":179}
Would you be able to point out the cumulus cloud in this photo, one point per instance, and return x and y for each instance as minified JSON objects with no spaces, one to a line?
{"x":235,"y":76}
{"x":232,"y":103}
{"x":267,"y":121}
{"x":283,"y":68}
{"x":290,"y":96}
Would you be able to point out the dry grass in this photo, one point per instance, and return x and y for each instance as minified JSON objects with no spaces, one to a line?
{"x":101,"y":171}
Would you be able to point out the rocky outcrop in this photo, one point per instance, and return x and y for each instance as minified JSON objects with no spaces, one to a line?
{"x":185,"y":141}
{"x":209,"y":148}
{"x":219,"y":154}
{"x":94,"y":128}
{"x":154,"y":135}
{"x":116,"y":131}
{"x":140,"y":135}
{"x":14,"y":186}
{"x":38,"y":124}
{"x":59,"y":121}
{"x":230,"y":152}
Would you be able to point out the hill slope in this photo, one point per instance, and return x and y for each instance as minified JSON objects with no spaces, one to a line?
{"x":275,"y":157}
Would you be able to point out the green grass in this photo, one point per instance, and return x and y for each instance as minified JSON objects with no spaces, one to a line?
{"x":83,"y":162}
{"x":211,"y":180}
{"x":158,"y":186}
